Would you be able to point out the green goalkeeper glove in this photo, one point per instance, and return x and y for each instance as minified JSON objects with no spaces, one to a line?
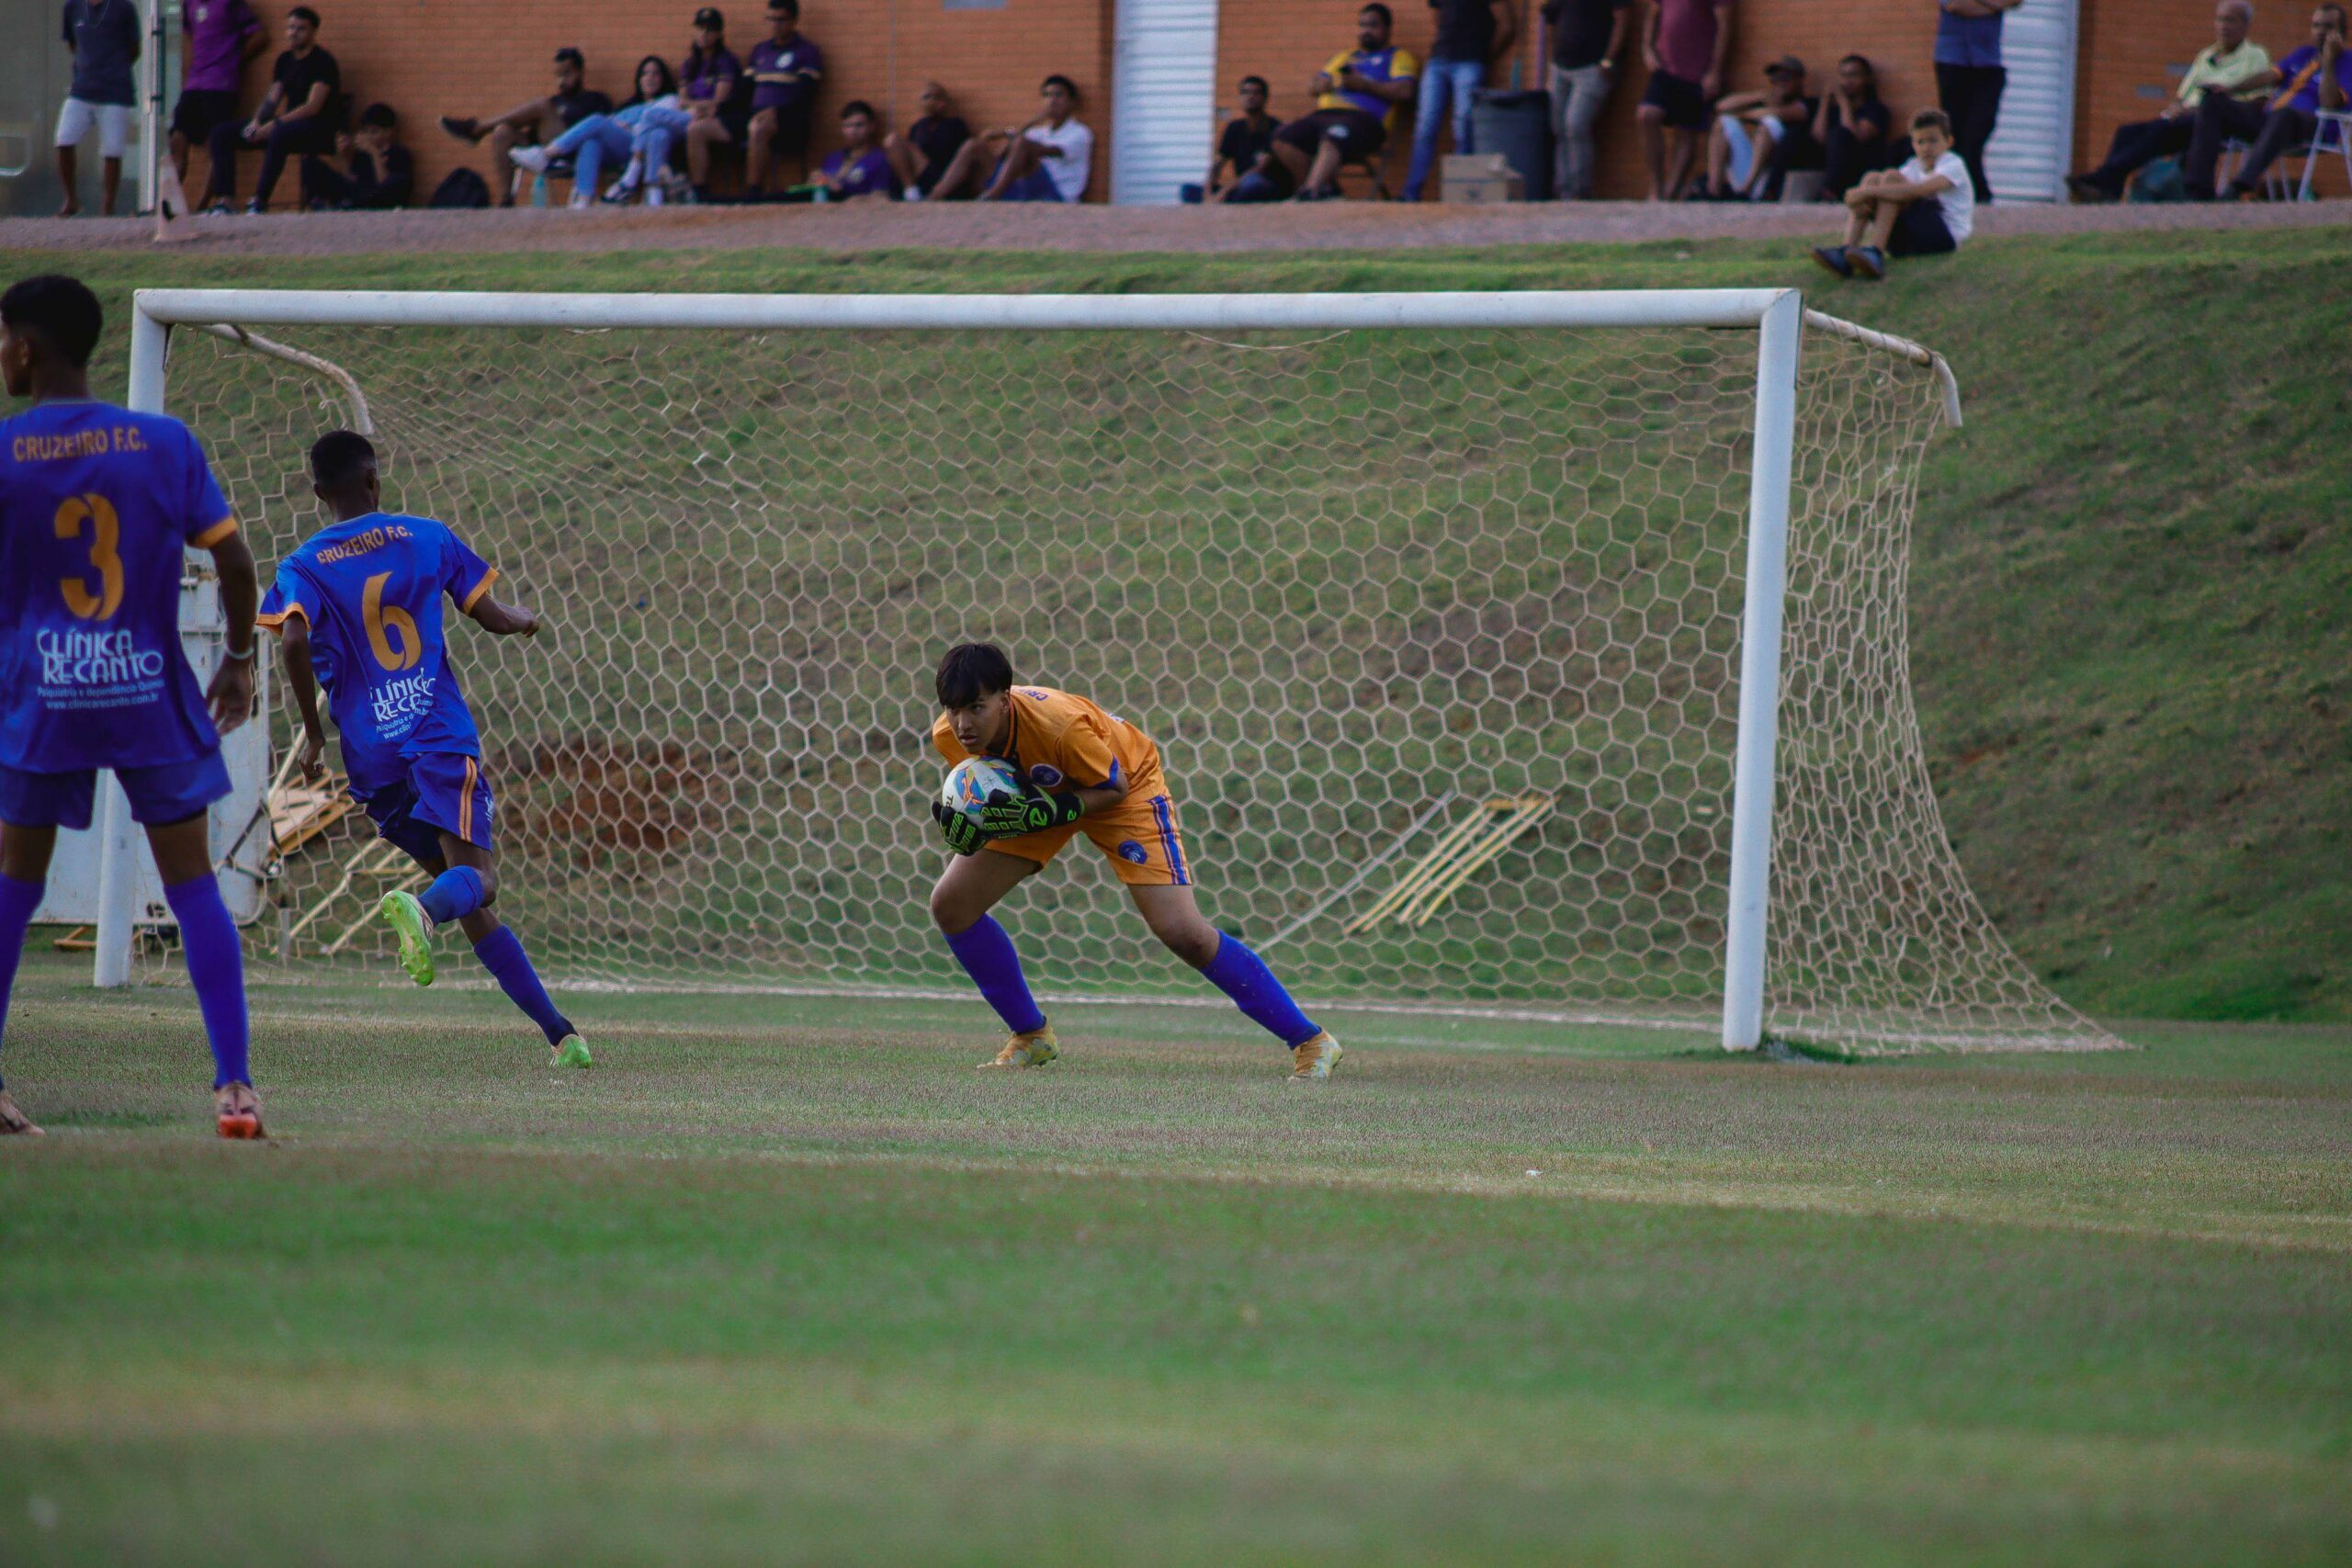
{"x":1008,"y":815}
{"x":963,"y":834}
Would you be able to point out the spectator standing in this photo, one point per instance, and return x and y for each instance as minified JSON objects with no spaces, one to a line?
{"x":1588,"y":40}
{"x":296,"y":115}
{"x":860,"y":167}
{"x":379,"y":173}
{"x":1469,"y":33}
{"x":2231,"y":64}
{"x":1245,"y":140}
{"x":1851,"y":126}
{"x":1356,"y":95}
{"x":1924,"y":209}
{"x":223,"y":35}
{"x":785,"y":69}
{"x":601,"y":136}
{"x":1684,"y":44}
{"x":104,"y":37}
{"x":1758,"y":136}
{"x":534,"y":123}
{"x":923,"y":156}
{"x":1050,"y":159}
{"x":2316,"y":76}
{"x":1969,"y":77}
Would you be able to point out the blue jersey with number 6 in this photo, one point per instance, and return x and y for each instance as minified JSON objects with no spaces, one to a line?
{"x":97,"y":506}
{"x":371,"y":589}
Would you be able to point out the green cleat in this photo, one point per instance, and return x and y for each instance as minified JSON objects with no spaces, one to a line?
{"x":415,"y":928}
{"x":573,"y":1052}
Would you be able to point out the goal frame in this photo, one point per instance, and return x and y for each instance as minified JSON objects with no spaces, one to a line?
{"x":1776,"y":315}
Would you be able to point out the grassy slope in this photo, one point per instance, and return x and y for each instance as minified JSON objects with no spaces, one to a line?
{"x":756,"y":1293}
{"x":2132,"y":578}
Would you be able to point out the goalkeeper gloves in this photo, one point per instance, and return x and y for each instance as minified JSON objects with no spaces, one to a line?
{"x":1005,"y":815}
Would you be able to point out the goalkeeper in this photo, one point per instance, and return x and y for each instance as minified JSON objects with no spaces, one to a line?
{"x":1087,"y":772}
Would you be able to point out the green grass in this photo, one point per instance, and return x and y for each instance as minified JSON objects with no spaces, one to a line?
{"x":814,"y":1290}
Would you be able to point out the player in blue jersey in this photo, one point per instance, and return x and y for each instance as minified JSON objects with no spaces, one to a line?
{"x":98,"y":506}
{"x":359,"y":608}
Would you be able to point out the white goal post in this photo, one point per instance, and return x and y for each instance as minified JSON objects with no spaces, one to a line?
{"x":1776,"y":318}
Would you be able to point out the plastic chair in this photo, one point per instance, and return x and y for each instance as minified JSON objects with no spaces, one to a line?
{"x":2340,"y":122}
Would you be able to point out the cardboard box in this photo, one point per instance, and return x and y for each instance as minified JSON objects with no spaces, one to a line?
{"x":1473,"y":167}
{"x":1478,"y":179}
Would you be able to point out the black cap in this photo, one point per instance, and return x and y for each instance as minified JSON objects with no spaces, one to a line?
{"x":1787,"y":65}
{"x":708,"y":16}
{"x":569,"y":55}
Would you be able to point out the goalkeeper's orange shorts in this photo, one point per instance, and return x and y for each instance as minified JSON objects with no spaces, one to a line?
{"x":1139,"y":836}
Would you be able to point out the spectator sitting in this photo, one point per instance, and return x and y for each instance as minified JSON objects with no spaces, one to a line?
{"x":935,"y":139}
{"x":1048,"y":160}
{"x":785,"y":69}
{"x":707,"y":88}
{"x":1587,"y":37}
{"x":859,"y":168}
{"x":221,"y":36}
{"x":1852,"y":127}
{"x":2314,"y":77}
{"x":296,"y":117}
{"x":1924,"y":209}
{"x":603,"y":136}
{"x":104,"y":38}
{"x":2230,"y":65}
{"x":1469,"y":33}
{"x":1246,"y":141}
{"x":1356,"y":95}
{"x":1684,"y":44}
{"x":1758,"y":136}
{"x":378,"y":171}
{"x":536,"y":123}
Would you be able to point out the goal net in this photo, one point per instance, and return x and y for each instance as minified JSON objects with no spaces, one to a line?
{"x":1439,"y":630}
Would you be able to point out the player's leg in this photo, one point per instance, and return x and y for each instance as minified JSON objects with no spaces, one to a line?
{"x":215,"y":963}
{"x":24,"y":875}
{"x":966,"y":891}
{"x":498,"y":950}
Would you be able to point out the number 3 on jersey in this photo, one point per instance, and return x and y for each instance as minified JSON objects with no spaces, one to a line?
{"x":392,"y":631}
{"x":106,"y":537}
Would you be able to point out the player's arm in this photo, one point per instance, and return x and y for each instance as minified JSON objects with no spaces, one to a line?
{"x":230,"y":695}
{"x":302,"y":678}
{"x":503,"y":620}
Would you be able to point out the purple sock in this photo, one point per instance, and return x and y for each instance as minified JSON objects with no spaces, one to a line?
{"x":987,"y":956}
{"x":215,"y":965}
{"x":502,"y":953}
{"x":455,"y":894}
{"x":17,"y":901}
{"x":1243,"y":975}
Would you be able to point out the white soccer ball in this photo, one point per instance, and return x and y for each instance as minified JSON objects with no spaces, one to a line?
{"x":970,"y":783}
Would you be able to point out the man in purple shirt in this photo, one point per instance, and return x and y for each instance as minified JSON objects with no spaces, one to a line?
{"x":860,"y":168}
{"x":785,"y":69}
{"x":1684,"y":44}
{"x":223,"y":36}
{"x":2314,"y":77}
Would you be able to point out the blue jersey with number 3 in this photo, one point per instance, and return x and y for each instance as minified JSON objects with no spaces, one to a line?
{"x":371,"y":589}
{"x":97,"y":506}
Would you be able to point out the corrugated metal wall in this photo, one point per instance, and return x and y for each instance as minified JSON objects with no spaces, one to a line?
{"x":1163,"y":97}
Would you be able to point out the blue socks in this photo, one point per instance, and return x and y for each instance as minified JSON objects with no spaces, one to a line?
{"x":502,"y":953}
{"x":1243,"y":975}
{"x":455,"y":894}
{"x":216,"y":966}
{"x":17,"y":901}
{"x":987,"y":955}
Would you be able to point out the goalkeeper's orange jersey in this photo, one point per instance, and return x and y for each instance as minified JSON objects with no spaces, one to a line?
{"x":1059,"y":741}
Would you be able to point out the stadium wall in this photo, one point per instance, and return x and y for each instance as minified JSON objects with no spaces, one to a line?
{"x":432,"y":57}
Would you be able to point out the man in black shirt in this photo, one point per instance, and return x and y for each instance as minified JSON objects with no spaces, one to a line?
{"x":930,"y":144}
{"x":1852,"y":127}
{"x":1245,"y":140}
{"x":1469,"y":33}
{"x":297,"y":115}
{"x":1588,"y":38}
{"x":534,"y":123}
{"x":380,"y":172}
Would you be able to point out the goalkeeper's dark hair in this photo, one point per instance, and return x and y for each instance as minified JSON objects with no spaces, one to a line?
{"x":57,"y":309}
{"x":340,"y":458}
{"x":970,"y":671}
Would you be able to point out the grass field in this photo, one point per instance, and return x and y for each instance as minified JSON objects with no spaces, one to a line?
{"x":787,"y":1280}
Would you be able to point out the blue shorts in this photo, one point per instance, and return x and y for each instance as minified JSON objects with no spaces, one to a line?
{"x":443,"y":792}
{"x":169,"y":792}
{"x":1037,"y":185}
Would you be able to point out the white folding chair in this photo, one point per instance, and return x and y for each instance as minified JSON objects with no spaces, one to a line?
{"x":2339,"y":123}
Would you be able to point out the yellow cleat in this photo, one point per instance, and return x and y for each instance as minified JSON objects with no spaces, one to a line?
{"x":1033,"y":1049}
{"x":1312,"y":1060}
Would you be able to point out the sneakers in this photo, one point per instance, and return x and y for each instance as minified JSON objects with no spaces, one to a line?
{"x":1312,"y":1060}
{"x":2091,"y":191}
{"x":571,"y":1051}
{"x":1033,"y":1049}
{"x":1833,"y":258}
{"x":13,"y":1121}
{"x":464,"y":130}
{"x":1868,"y":260}
{"x":581,"y":201}
{"x":238,"y":1108}
{"x":654,"y":196}
{"x":415,"y":928}
{"x":535,"y":159}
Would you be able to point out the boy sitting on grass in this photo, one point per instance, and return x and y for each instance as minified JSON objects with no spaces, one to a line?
{"x":1924,"y":209}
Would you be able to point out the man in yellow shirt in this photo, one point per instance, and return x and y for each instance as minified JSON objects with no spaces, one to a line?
{"x":1359,"y":94}
{"x":2232,"y":64}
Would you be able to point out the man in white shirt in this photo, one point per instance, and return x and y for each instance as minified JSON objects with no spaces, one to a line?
{"x":1050,"y":159}
{"x":1924,"y":209}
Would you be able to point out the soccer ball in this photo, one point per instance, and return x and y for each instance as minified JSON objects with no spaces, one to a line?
{"x":970,"y":783}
